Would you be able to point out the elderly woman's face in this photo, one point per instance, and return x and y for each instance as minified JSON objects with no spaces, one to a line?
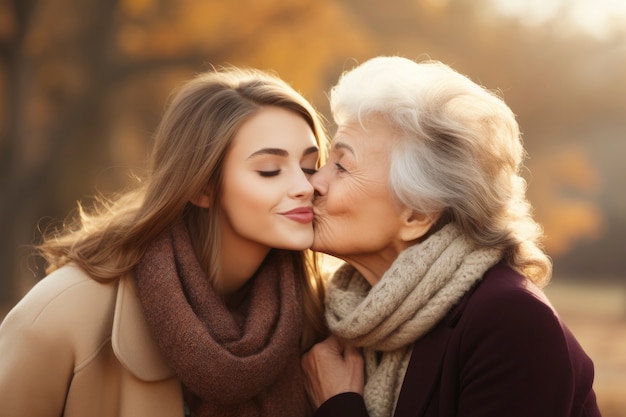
{"x":355,"y":215}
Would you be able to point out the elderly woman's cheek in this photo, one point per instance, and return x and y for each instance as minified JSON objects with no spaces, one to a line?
{"x":323,"y":235}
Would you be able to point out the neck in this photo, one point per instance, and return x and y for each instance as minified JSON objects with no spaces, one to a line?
{"x":374,"y":265}
{"x":237,"y":265}
{"x":371,"y":266}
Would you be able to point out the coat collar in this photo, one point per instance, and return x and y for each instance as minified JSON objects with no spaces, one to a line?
{"x":132,"y":342}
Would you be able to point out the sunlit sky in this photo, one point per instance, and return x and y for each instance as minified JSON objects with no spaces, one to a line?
{"x":598,"y":17}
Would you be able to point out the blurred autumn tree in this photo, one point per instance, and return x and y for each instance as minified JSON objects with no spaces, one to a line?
{"x":83,"y":83}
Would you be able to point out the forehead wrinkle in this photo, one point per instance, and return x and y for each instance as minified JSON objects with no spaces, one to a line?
{"x":338,"y":145}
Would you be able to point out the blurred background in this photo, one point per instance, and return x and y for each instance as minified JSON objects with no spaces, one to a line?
{"x":83,"y":84}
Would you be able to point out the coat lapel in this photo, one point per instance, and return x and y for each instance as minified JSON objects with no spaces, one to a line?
{"x":422,"y":376}
{"x":423,"y":373}
{"x":132,"y":342}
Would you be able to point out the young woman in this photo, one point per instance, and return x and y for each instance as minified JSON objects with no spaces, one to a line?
{"x":191,"y":294}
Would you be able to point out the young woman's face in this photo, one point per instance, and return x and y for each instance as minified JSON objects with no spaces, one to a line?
{"x":266,"y":196}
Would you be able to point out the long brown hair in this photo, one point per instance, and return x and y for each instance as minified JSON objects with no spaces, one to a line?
{"x":190,"y":146}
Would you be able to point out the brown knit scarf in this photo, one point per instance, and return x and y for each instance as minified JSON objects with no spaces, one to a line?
{"x":231,"y":363}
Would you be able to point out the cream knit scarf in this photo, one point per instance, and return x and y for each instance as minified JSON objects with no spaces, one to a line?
{"x":416,"y":292}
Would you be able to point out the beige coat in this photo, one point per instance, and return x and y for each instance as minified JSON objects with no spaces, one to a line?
{"x":75,"y":347}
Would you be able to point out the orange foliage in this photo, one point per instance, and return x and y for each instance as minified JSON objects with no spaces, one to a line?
{"x":84,"y":83}
{"x":564,"y":189}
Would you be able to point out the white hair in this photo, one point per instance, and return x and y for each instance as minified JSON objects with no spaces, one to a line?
{"x":459,"y":151}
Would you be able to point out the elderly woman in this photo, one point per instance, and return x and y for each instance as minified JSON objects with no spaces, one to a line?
{"x":423,"y":199}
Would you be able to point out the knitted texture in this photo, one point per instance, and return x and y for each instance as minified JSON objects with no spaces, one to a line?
{"x":231,"y":363}
{"x":424,"y":282}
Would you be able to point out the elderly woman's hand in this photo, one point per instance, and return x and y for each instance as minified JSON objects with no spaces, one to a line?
{"x":332,"y":367}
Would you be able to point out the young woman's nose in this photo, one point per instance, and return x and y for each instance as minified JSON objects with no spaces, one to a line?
{"x":302,"y":187}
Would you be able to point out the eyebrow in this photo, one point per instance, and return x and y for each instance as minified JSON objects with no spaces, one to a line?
{"x":312,"y":149}
{"x":341,"y":145}
{"x":281,"y":152}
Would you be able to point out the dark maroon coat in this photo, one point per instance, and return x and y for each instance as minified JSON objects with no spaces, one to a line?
{"x":502,"y":351}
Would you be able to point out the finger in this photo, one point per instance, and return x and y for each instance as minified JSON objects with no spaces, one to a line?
{"x":308,"y":361}
{"x":346,"y":348}
{"x":335,"y":343}
{"x":350,"y":350}
{"x":352,"y":355}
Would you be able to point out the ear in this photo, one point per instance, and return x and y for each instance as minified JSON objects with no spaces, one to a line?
{"x":203,"y":200}
{"x":415,"y":225}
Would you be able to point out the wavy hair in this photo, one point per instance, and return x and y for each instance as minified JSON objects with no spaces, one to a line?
{"x":459,"y":152}
{"x":190,"y":146}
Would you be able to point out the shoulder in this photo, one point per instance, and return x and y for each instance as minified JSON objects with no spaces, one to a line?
{"x":59,"y":326}
{"x":505,"y":291}
{"x":508,"y":309}
{"x":508,"y":338}
{"x":62,"y":308}
{"x":61,"y":294}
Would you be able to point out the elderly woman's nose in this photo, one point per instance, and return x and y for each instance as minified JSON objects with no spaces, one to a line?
{"x":319,"y":181}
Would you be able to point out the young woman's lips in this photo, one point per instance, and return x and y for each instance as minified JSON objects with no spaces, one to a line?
{"x":301,"y":215}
